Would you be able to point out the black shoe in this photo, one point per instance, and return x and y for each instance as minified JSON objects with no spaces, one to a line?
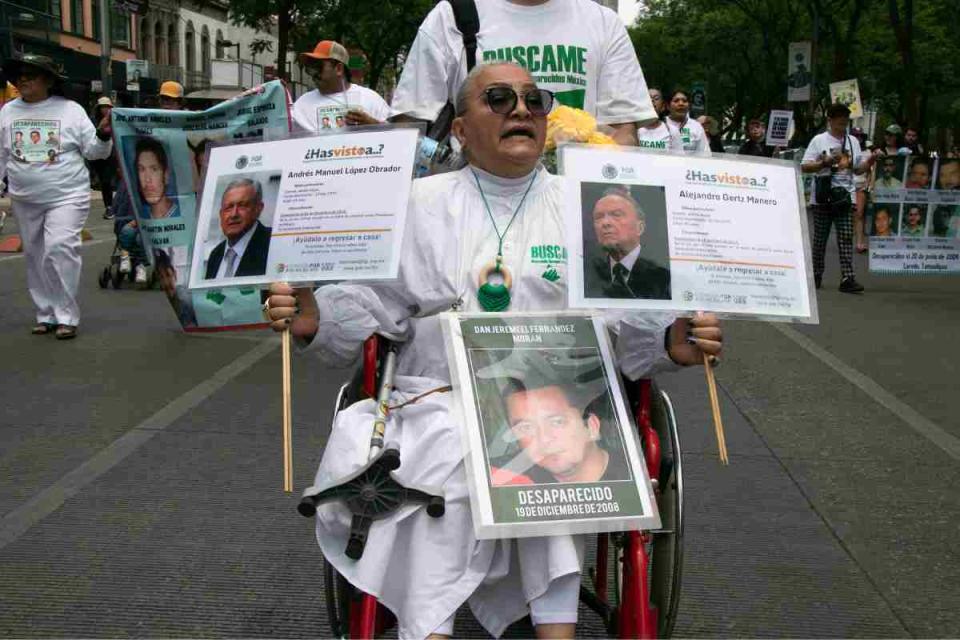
{"x":817,"y":281}
{"x":850,"y":285}
{"x":108,"y":214}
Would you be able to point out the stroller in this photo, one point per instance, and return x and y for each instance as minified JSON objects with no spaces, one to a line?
{"x":128,"y":257}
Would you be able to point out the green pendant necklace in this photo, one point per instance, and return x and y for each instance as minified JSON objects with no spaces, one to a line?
{"x":496,"y":297}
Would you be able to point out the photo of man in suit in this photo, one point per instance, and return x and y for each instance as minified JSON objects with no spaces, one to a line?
{"x":623,"y":266}
{"x":244,"y":251}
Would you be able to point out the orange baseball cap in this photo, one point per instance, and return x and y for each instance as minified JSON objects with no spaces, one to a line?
{"x":171,"y":89}
{"x":327,"y":50}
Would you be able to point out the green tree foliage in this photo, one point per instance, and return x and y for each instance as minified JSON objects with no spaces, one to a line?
{"x":382,"y":29}
{"x":285,"y":17}
{"x":905,"y":54}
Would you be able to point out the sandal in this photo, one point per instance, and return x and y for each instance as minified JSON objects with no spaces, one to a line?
{"x":66,"y":332}
{"x":43,"y":328}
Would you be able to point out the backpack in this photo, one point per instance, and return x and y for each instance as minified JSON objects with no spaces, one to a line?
{"x":468,"y":23}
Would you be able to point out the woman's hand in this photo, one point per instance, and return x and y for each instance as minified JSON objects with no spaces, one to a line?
{"x":293,"y":309}
{"x":104,"y":130}
{"x":691,"y":338}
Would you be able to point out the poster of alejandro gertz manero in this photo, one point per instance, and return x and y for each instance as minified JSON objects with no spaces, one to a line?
{"x":551,"y":447}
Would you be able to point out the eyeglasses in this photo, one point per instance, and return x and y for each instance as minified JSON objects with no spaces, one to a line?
{"x":503,"y":100}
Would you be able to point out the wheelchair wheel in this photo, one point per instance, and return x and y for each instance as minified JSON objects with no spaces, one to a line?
{"x":667,"y":554}
{"x":104,"y":278}
{"x":116,"y":278}
{"x":339,"y":594}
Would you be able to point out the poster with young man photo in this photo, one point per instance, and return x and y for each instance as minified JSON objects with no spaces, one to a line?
{"x":552,"y":447}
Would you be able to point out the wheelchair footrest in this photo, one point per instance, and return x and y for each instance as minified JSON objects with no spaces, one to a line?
{"x":370,"y":494}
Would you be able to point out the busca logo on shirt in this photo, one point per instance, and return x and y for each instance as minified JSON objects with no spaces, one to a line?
{"x":562,"y":66}
{"x":547,"y":254}
{"x":35,"y":140}
{"x":653,"y":144}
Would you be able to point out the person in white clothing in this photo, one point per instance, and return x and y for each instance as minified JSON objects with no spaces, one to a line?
{"x":502,"y":204}
{"x":49,"y":186}
{"x":658,"y":136}
{"x":578,"y":49}
{"x":691,"y":133}
{"x":336,"y":101}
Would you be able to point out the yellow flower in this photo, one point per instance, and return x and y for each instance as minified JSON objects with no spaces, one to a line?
{"x":565,"y":124}
{"x":600,"y":138}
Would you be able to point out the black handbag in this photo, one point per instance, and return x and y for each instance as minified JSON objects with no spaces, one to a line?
{"x":827,"y":194}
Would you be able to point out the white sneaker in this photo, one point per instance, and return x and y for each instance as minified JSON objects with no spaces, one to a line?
{"x":124,"y":262}
{"x":141,"y":275}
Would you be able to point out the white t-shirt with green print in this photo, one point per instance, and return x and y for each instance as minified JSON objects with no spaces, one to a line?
{"x":692,"y":135}
{"x":659,"y":138}
{"x":575,"y":48}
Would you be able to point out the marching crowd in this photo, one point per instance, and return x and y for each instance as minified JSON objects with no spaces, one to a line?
{"x":466,"y":228}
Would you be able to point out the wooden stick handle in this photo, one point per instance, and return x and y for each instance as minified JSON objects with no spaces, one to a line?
{"x":287,"y":416}
{"x":715,"y":408}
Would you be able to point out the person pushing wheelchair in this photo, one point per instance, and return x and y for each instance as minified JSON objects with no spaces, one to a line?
{"x":463,"y":228}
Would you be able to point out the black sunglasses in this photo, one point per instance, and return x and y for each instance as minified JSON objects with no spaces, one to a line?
{"x":503,"y":100}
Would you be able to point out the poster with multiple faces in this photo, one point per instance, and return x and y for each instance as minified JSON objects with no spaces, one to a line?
{"x":913,"y":220}
{"x":551,"y":445}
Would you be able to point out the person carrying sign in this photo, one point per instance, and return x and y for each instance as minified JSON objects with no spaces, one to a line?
{"x":835,"y":157}
{"x":49,"y":185}
{"x":498,"y":209}
{"x":577,"y":49}
{"x":336,"y":100}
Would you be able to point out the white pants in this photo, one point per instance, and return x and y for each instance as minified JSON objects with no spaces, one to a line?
{"x":51,"y":246}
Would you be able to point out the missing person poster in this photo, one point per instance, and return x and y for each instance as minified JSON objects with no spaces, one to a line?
{"x":551,"y":447}
{"x":161,"y":157}
{"x":913,"y":220}
{"x":329,"y":207}
{"x":799,"y":71}
{"x":779,"y":128}
{"x":35,"y":140}
{"x":671,"y":232}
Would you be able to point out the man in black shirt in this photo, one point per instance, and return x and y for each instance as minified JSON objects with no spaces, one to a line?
{"x":754,"y":146}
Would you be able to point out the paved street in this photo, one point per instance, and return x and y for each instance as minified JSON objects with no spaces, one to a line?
{"x":141,"y":472}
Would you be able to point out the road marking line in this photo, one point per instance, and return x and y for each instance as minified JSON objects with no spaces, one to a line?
{"x":949,"y":443}
{"x":21,"y":519}
{"x":88,"y":243}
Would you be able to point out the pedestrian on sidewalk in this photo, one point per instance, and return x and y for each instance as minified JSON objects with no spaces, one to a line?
{"x":105,"y":169}
{"x":49,"y":185}
{"x":835,"y":157}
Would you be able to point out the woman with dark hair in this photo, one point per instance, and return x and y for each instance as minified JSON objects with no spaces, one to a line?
{"x":691,"y":133}
{"x":105,"y":169}
{"x":49,"y":186}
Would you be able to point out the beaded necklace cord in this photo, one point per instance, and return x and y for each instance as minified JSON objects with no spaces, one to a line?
{"x":496,"y":297}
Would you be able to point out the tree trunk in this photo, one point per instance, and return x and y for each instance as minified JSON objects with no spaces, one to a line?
{"x":283,"y":37}
{"x":903,"y":32}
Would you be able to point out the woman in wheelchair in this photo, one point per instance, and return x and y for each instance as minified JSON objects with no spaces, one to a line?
{"x":481,"y":221}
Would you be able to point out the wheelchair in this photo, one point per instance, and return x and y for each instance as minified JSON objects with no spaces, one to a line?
{"x":633,"y":581}
{"x":111,"y":274}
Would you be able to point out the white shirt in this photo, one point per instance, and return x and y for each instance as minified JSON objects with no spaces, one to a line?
{"x":312,"y":107}
{"x":627,"y":261}
{"x":238,"y":248}
{"x":826,"y":143}
{"x":39,"y":180}
{"x":660,"y":138}
{"x":692,"y":136}
{"x":425,"y":569}
{"x":575,"y":48}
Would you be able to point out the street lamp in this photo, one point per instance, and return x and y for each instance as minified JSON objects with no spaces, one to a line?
{"x":229,"y":43}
